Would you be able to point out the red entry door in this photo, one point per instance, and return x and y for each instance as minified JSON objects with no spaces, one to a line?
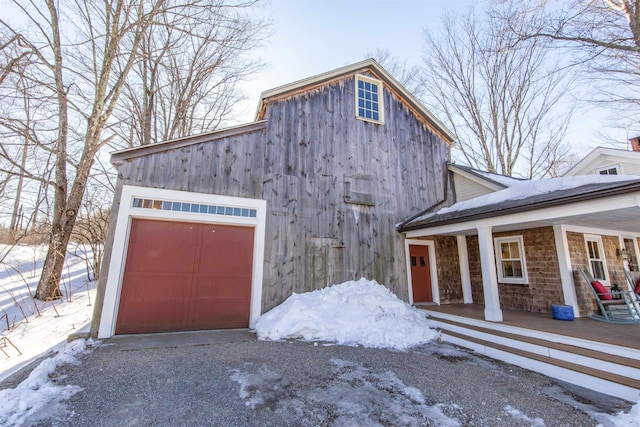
{"x":420,"y":273}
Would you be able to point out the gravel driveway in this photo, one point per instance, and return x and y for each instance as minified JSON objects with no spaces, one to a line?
{"x":228,"y":378}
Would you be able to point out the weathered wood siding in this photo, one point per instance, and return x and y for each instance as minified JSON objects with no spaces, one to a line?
{"x":314,"y":146}
{"x":311,"y":147}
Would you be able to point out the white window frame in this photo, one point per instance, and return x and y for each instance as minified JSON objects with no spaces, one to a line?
{"x":360,"y":77}
{"x":606,"y":168}
{"x":598,"y":240}
{"x":497,"y":241}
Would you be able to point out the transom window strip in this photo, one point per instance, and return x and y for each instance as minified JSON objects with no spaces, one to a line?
{"x":170,"y":205}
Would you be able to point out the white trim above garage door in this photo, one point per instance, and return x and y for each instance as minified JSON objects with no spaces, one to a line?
{"x":154,"y":203}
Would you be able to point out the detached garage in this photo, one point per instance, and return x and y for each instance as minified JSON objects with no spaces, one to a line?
{"x":189,"y":261}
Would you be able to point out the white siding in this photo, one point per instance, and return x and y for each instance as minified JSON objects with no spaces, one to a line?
{"x":467,"y":189}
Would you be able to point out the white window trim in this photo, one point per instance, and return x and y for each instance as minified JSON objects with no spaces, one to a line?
{"x":511,"y":280}
{"x":616,"y":167}
{"x":380,"y":98}
{"x":598,"y":239}
{"x":121,"y":241}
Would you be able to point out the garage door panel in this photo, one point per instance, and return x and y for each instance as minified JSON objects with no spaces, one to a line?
{"x":162,"y":259}
{"x":152,"y":303}
{"x":221,"y":300}
{"x":186,"y":276}
{"x":227,"y":249}
{"x":161,"y":246}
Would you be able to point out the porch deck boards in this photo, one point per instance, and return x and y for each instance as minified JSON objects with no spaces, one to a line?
{"x":584,"y":328}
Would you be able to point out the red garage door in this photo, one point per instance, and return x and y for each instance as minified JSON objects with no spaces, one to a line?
{"x":185,"y":276}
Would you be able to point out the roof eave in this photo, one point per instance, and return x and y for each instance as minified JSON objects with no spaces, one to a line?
{"x":528,"y":207}
{"x":118,"y":157}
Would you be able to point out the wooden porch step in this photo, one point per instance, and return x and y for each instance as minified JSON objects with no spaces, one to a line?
{"x":608,"y":376}
{"x":596,"y":355}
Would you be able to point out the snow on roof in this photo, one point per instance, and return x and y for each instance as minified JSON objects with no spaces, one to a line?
{"x":360,"y":312}
{"x":507,"y":181}
{"x":525,"y":189}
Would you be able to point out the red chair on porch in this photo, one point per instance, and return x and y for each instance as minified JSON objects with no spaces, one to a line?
{"x":620,"y":307}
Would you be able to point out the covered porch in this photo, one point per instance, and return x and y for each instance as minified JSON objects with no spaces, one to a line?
{"x":518,"y":252}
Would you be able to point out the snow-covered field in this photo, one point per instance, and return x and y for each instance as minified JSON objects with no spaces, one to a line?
{"x":30,"y":327}
{"x":340,"y":314}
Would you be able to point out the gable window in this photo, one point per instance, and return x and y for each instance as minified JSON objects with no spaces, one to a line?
{"x":609,"y":170}
{"x":512,"y":267}
{"x":597,"y":263}
{"x":369,"y":99}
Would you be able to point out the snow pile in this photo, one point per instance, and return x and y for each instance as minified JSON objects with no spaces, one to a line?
{"x":360,"y":312}
{"x":38,"y":396}
{"x":524,"y":189}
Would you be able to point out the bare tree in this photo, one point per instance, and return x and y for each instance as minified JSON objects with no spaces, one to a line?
{"x":504,"y":100}
{"x":601,"y":36}
{"x":80,"y":54}
{"x":407,"y":75}
{"x":185,"y":81}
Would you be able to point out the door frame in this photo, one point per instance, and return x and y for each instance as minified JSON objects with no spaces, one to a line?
{"x":435,"y":293}
{"x":127,"y":212}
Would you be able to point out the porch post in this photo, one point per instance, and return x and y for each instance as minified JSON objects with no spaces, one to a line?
{"x":564,"y":261}
{"x":492,"y":310}
{"x":465,"y":277}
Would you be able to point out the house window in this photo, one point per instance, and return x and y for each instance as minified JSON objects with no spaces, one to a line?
{"x":597,"y":263}
{"x":610,"y":170}
{"x":369,"y":99}
{"x":512,"y":267}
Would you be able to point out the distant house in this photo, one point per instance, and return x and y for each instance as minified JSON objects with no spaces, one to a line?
{"x":609,"y":161}
{"x":209,"y":231}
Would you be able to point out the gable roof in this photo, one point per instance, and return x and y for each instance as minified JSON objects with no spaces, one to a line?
{"x":367,"y":65}
{"x":514,"y":200}
{"x":586,"y":165}
{"x":490,"y":180}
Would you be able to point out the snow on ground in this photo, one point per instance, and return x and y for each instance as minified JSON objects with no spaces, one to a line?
{"x":527,"y":188}
{"x":38,"y":398}
{"x":518,"y":415}
{"x":360,"y":312}
{"x":351,"y":398}
{"x":32,"y":333}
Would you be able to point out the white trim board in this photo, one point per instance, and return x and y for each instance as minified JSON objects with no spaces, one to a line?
{"x":121,"y":239}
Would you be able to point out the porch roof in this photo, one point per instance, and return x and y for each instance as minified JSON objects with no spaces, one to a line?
{"x":611,"y":204}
